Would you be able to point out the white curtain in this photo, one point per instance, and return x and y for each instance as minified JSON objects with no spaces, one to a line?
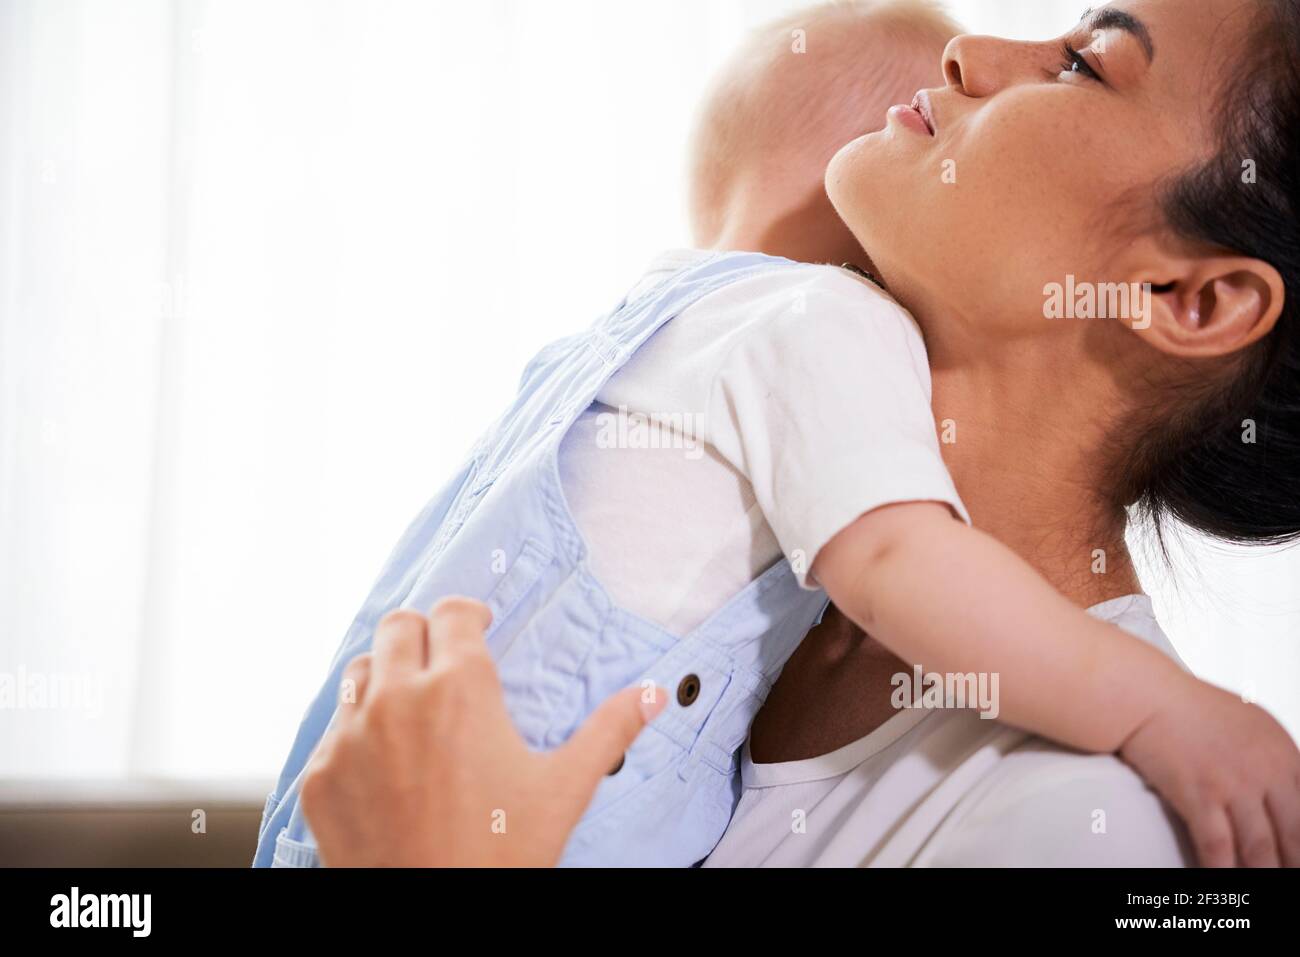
{"x":266,"y":268}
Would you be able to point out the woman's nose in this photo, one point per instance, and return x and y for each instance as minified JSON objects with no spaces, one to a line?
{"x":980,"y":66}
{"x":952,"y":62}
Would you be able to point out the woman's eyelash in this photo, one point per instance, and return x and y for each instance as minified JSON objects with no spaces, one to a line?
{"x":1075,"y":62}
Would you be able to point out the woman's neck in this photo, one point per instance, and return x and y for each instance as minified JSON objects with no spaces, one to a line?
{"x":1022,"y":449}
{"x":1022,"y":443}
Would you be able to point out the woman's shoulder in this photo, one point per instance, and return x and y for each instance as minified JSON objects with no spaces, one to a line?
{"x":1046,"y":806}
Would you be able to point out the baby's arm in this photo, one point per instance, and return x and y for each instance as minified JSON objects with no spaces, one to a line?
{"x":952,"y":599}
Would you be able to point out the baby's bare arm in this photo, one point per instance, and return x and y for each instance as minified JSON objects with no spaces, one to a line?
{"x":954,"y":600}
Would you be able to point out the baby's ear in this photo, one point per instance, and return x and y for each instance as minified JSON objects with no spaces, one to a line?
{"x":1212,"y":306}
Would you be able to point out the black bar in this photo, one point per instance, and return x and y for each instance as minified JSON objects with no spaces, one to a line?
{"x":651,"y":907}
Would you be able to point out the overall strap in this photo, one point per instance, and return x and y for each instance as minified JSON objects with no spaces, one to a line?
{"x":617,"y":337}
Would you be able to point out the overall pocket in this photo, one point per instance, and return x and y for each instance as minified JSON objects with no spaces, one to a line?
{"x":516,"y":583}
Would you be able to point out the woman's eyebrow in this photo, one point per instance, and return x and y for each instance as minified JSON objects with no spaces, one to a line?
{"x":1108,"y":18}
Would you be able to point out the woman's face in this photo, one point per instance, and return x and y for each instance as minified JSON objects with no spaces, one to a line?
{"x":1042,"y":163}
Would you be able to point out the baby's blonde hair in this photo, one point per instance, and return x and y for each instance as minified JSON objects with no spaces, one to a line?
{"x":801,"y":87}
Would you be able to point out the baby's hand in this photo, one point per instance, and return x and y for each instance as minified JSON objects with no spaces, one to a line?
{"x":1230,"y":771}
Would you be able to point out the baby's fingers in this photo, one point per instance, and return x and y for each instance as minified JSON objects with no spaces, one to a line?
{"x":1212,"y":837}
{"x":1283,"y":805}
{"x":1253,"y":828}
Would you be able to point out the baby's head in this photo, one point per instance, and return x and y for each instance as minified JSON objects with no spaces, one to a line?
{"x":795,"y":92}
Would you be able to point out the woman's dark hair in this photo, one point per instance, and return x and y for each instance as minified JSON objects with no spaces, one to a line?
{"x":1202,"y":469}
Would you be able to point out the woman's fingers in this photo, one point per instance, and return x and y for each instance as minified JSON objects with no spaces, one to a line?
{"x":1253,"y":831}
{"x":401,"y":643}
{"x":598,"y":746}
{"x":406,"y":640}
{"x":457,"y":626}
{"x":1212,"y":836}
{"x":1283,"y":805}
{"x":356,"y":677}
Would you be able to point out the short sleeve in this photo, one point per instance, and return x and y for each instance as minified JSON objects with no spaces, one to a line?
{"x":824,"y":405}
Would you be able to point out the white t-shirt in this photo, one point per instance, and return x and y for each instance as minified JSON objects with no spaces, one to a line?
{"x":950,"y":789}
{"x":761,"y":421}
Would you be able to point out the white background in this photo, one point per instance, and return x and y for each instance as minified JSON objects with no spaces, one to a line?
{"x":266,"y":268}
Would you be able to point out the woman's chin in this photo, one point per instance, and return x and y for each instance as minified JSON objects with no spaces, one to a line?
{"x":849,"y":153}
{"x":856,"y":187}
{"x":859,"y":165}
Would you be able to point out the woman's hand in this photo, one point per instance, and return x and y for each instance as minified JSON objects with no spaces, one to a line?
{"x":423,"y":766}
{"x":1230,"y":771}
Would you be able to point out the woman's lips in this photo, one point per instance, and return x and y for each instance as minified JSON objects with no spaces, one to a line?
{"x":912,"y":118}
{"x":921,"y":103}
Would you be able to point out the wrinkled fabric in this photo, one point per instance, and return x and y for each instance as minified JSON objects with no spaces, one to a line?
{"x":501,"y":531}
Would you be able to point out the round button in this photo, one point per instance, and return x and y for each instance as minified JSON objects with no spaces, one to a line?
{"x":688,"y":690}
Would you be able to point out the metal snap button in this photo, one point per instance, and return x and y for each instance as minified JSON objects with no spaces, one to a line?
{"x":688,"y":690}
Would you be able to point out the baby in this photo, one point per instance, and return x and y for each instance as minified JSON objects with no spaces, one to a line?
{"x":673,"y":494}
{"x":785,"y":103}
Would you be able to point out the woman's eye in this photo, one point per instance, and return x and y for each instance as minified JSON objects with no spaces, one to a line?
{"x":1075,"y":62}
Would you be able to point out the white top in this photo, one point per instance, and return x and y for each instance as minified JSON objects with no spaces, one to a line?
{"x":949,"y":789}
{"x":771,"y":414}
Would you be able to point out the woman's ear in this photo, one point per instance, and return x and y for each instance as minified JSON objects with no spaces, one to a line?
{"x":1217,"y":306}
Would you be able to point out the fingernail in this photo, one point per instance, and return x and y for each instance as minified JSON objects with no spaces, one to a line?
{"x":650,"y":709}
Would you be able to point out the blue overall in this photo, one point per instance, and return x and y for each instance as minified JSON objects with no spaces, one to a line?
{"x":502,"y":532}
